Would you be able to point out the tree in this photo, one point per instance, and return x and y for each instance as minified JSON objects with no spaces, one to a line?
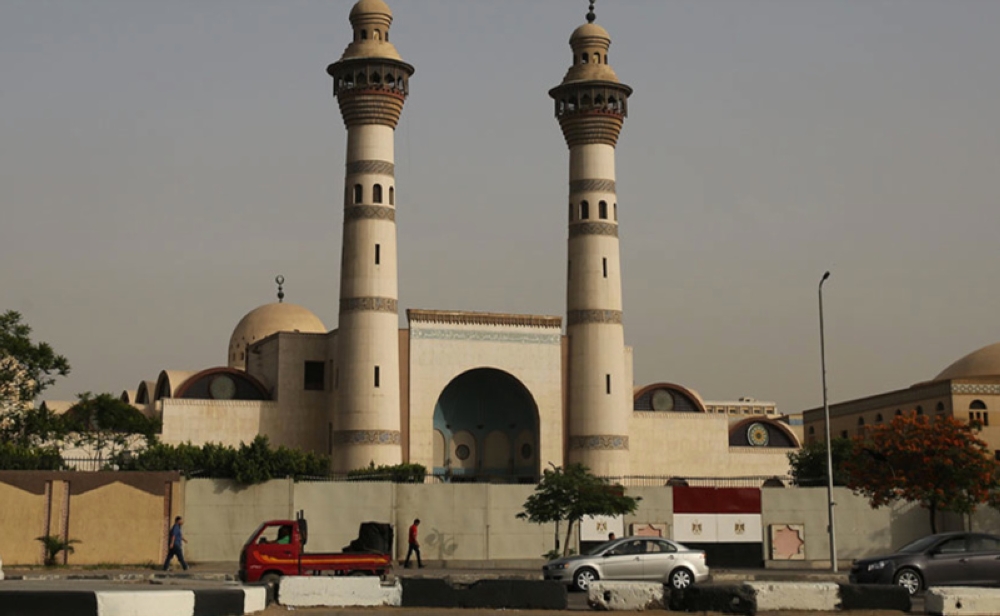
{"x":808,"y":465}
{"x":39,"y":363}
{"x":570,"y":494}
{"x":940,"y":464}
{"x":107,"y":425}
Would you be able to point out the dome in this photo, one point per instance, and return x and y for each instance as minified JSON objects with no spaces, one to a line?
{"x":368,"y":7}
{"x":266,"y":320}
{"x":983,"y":362}
{"x":590,"y":33}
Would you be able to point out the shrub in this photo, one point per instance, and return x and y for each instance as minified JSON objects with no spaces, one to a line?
{"x":398,"y":473}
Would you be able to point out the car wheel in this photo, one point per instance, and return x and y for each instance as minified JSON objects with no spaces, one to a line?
{"x":583,"y":578}
{"x":680,"y":578}
{"x":271,"y":578}
{"x":909,"y":579}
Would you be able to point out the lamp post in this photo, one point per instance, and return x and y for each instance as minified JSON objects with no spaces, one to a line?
{"x":826,"y":419}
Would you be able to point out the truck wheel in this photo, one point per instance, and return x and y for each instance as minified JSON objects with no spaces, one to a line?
{"x":271,"y":578}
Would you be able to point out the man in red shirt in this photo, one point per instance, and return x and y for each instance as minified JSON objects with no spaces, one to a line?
{"x":414,"y":546}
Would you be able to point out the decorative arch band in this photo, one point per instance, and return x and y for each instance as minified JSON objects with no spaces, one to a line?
{"x":593,"y":228}
{"x":366,"y":437}
{"x":577,"y":186}
{"x":371,"y":166}
{"x":369,"y":304}
{"x":599,"y":441}
{"x":369,"y":212}
{"x":578,"y":317}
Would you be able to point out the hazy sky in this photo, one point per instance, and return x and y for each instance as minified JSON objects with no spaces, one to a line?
{"x":161,"y":162}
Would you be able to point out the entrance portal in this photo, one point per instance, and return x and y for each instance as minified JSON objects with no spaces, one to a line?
{"x":486,"y":427}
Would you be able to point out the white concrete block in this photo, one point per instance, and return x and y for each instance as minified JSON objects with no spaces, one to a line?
{"x":254,"y":599}
{"x":815,"y":596}
{"x":329,"y":591}
{"x":625,"y":596}
{"x":1,"y":569}
{"x":149,"y":603}
{"x":962,"y":600}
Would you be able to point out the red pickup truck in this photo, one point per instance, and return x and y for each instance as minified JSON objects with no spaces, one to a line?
{"x":276,"y":549}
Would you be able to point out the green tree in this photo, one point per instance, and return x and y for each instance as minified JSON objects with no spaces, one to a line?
{"x":570,"y":494}
{"x":808,"y":465}
{"x":939,"y":463}
{"x":54,"y":545}
{"x":107,"y":426}
{"x":37,"y":360}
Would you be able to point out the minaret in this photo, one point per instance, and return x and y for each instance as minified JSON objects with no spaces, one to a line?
{"x":591,"y":105}
{"x":370,"y":81}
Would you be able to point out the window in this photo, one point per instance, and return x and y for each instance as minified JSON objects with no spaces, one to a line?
{"x":607,"y":383}
{"x":972,"y":416}
{"x":920,"y":410}
{"x":616,"y":211}
{"x":977,"y":405}
{"x":812,"y":430}
{"x":313,"y":375}
{"x":392,"y":195}
{"x":604,"y":264}
{"x":358,"y":193}
{"x":861,"y":421}
{"x":364,"y":35}
{"x":377,"y":193}
{"x":584,"y":57}
{"x":878,"y":418}
{"x":940,"y":407}
{"x":377,"y":35}
{"x":597,"y":58}
{"x":843,"y":434}
{"x":602,"y":210}
{"x":898,"y":412}
{"x":378,"y":253}
{"x":584,"y":210}
{"x":376,"y":377}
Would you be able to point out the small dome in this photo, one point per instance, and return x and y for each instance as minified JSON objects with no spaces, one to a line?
{"x":368,"y":7}
{"x":983,"y":362}
{"x":268,"y":319}
{"x":590,"y":32}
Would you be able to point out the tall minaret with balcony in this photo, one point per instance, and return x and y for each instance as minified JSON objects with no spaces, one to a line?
{"x":591,"y":105}
{"x":370,"y":81}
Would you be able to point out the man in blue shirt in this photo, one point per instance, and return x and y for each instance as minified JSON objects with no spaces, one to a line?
{"x":175,"y":544}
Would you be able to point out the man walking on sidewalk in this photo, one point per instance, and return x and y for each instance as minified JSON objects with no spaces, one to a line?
{"x":414,"y":546}
{"x":175,"y":544}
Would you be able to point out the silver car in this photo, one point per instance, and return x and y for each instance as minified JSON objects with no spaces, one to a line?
{"x":631,"y":558}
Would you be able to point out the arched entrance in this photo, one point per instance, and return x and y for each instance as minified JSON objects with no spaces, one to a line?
{"x":485,"y":428}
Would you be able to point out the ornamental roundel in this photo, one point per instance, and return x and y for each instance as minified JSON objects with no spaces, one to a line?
{"x":462,"y":452}
{"x":662,"y":400}
{"x":758,"y":435}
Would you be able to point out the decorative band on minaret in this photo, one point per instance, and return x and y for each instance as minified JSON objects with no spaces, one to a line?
{"x":591,"y":105}
{"x":370,"y":82}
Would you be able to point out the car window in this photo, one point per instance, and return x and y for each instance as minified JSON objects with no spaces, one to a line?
{"x":633,"y":547}
{"x":661,"y":547}
{"x":915,"y":547}
{"x":984,"y":543}
{"x":955,"y":545}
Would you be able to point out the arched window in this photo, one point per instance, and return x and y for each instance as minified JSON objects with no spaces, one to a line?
{"x":878,"y":418}
{"x":358,"y":193}
{"x":602,"y":210}
{"x":605,"y":58}
{"x":597,"y":58}
{"x":616,"y":212}
{"x":392,"y":195}
{"x":364,"y":35}
{"x":377,"y":35}
{"x":812,"y":430}
{"x":920,"y":410}
{"x":377,"y":193}
{"x":861,"y":421}
{"x":376,"y":78}
{"x":977,"y":405}
{"x":584,"y":210}
{"x":584,"y":57}
{"x":940,"y":407}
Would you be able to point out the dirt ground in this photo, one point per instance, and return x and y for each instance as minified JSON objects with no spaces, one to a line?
{"x":276,"y":610}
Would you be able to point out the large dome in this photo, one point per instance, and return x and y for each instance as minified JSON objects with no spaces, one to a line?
{"x":268,"y":319}
{"x":983,"y":362}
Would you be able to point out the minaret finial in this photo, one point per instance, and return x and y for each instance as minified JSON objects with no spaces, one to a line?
{"x":590,"y":15}
{"x":281,"y":293}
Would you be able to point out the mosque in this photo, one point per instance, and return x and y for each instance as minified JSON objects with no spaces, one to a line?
{"x":469,"y":395}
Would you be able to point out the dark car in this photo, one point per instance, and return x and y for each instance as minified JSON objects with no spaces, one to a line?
{"x":945,"y":559}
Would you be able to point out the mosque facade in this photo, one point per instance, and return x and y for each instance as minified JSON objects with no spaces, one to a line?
{"x":469,"y":395}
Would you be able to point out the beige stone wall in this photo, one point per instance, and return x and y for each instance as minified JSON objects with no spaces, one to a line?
{"x":335,"y":510}
{"x":116,"y":517}
{"x":229,"y":422}
{"x":696,"y":445}
{"x":441,"y":352}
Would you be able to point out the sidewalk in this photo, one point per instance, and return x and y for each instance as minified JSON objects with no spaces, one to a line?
{"x":227,"y":572}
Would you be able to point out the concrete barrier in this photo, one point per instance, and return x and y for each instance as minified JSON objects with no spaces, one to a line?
{"x":255,"y":599}
{"x":812,"y":596}
{"x":874,"y":597}
{"x":147,"y":603}
{"x":942,"y":601}
{"x":329,"y":591}
{"x":723,"y":598}
{"x":498,"y":594}
{"x":625,"y":596}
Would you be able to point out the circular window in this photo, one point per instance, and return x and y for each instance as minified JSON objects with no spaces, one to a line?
{"x":662,"y":400}
{"x":758,"y":435}
{"x":462,"y":452}
{"x":527,"y":450}
{"x":222,"y":387}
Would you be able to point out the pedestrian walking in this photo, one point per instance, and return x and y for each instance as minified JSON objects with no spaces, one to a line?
{"x":414,"y":546}
{"x":175,"y":544}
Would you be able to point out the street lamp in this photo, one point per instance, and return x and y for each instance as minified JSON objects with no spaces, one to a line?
{"x":826,"y":418}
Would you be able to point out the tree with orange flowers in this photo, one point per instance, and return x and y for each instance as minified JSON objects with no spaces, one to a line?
{"x":939,"y":463}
